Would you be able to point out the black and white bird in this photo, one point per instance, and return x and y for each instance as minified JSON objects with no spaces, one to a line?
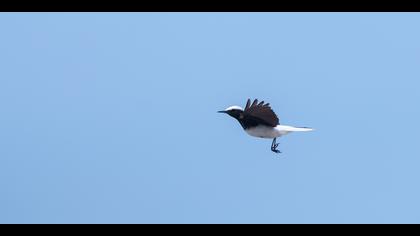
{"x":259,"y":120}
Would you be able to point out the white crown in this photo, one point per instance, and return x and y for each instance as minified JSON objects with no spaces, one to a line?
{"x":234,"y":108}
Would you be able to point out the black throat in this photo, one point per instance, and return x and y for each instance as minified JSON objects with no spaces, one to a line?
{"x":246,"y":122}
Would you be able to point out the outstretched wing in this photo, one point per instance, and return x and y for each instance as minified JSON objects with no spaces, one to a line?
{"x":259,"y":113}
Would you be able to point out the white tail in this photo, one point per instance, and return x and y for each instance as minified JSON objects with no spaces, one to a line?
{"x":292,"y":129}
{"x":302,"y":129}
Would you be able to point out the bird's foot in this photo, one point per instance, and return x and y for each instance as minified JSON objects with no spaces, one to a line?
{"x":274,"y":148}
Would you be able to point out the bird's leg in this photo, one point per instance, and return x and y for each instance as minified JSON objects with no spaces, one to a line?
{"x":274,"y":146}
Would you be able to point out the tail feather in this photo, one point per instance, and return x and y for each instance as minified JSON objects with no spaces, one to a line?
{"x":293,"y":129}
{"x":302,"y":129}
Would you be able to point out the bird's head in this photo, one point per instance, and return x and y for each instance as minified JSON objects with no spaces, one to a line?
{"x":234,"y":111}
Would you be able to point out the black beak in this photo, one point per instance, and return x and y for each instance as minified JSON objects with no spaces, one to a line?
{"x":222,"y":111}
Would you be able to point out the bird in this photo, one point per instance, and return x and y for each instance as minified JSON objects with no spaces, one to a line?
{"x":259,"y":120}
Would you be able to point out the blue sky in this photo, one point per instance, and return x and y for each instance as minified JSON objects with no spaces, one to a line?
{"x":111,"y":117}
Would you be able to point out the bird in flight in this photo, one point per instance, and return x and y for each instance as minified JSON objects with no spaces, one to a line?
{"x":259,"y":120}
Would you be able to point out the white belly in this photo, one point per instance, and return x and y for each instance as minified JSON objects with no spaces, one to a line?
{"x":263,"y":132}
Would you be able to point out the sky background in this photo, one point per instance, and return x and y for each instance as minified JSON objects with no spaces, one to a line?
{"x":111,"y":117}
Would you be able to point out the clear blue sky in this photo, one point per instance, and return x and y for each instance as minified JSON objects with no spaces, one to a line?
{"x":111,"y":117}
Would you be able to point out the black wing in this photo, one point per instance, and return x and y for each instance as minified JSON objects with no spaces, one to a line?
{"x":259,"y":113}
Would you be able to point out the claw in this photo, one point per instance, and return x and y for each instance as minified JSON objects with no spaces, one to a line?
{"x":275,"y":150}
{"x":274,"y":146}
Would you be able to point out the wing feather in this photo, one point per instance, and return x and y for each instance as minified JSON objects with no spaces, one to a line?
{"x":254,"y":103}
{"x":248,"y":103}
{"x":260,"y":114}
